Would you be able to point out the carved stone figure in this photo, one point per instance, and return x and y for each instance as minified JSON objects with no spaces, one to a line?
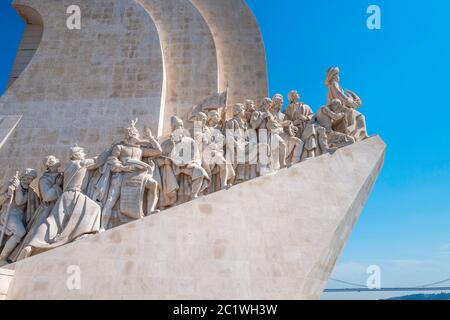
{"x":298,"y":112}
{"x":18,"y":203}
{"x":272,"y":148}
{"x":154,"y":188}
{"x":303,"y":119}
{"x":356,"y":122}
{"x":50,"y":189}
{"x":215,"y":120}
{"x":241,"y":146}
{"x":285,"y":128}
{"x":169,"y":183}
{"x":328,"y":117}
{"x":211,"y":142}
{"x":137,"y":176}
{"x":250,"y":107}
{"x":74,"y":215}
{"x":126,"y":157}
{"x":186,"y":163}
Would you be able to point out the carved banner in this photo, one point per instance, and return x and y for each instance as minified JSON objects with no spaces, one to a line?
{"x":132,"y":195}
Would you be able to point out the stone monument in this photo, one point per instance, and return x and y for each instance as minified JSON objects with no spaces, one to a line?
{"x":233,"y":198}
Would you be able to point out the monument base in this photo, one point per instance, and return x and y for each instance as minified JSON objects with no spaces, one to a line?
{"x":275,"y":237}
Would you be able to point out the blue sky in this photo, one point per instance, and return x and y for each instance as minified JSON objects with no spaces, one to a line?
{"x":402,"y":73}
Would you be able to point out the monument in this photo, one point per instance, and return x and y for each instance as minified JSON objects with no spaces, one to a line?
{"x":143,"y":153}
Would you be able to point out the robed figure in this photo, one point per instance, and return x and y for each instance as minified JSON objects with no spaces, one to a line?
{"x":74,"y":215}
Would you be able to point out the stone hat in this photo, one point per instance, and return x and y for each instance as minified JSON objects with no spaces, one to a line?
{"x":176,"y":121}
{"x":29,"y":173}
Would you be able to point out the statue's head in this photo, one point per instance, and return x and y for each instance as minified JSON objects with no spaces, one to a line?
{"x":52,"y":163}
{"x":176,"y":123}
{"x":293,"y":96}
{"x":249,"y":105}
{"x":132,"y":134}
{"x":277,"y":101}
{"x":201,"y":118}
{"x":266,"y":104}
{"x":332,"y":75}
{"x":77,"y":153}
{"x":213,"y":117}
{"x":239,"y":110}
{"x":336,"y":104}
{"x":27,"y":177}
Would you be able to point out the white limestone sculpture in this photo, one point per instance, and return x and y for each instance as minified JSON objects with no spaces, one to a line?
{"x":124,"y":162}
{"x":309,"y":130}
{"x":250,"y":107}
{"x":356,"y":122}
{"x":215,"y":120}
{"x":331,"y":116}
{"x":50,"y":189}
{"x":211,"y":142}
{"x":302,"y":118}
{"x":153,"y":190}
{"x":183,"y":154}
{"x":74,"y":215}
{"x":271,"y":147}
{"x":283,"y":126}
{"x":277,"y":237}
{"x":241,"y":146}
{"x":18,"y":203}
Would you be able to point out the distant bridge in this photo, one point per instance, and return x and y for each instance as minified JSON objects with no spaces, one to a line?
{"x":364,"y":288}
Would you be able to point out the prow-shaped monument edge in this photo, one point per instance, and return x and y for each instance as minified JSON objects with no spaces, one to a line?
{"x":239,"y":243}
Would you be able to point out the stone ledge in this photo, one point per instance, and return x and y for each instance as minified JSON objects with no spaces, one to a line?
{"x":6,"y":277}
{"x":234,"y":244}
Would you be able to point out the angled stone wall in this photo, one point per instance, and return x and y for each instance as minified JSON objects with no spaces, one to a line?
{"x":82,"y":86}
{"x":275,"y":237}
{"x":240,"y":49}
{"x":190,"y":60}
{"x":150,"y":59}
